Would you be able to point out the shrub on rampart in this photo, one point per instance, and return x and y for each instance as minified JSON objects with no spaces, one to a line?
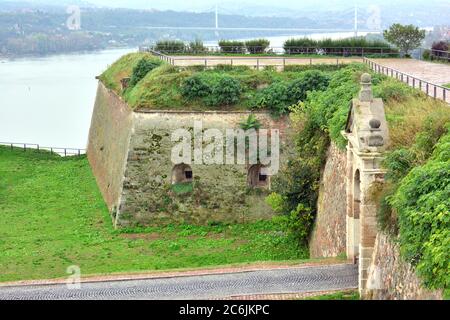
{"x":143,"y":67}
{"x":257,"y":46}
{"x":170,"y":46}
{"x":227,"y":46}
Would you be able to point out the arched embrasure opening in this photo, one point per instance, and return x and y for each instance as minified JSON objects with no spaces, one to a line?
{"x":257,"y":178}
{"x":182,"y":173}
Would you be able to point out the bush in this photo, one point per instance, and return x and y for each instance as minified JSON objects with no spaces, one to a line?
{"x":350,"y":46}
{"x":297,"y":224}
{"x":306,"y":67}
{"x":143,"y":67}
{"x":224,"y":67}
{"x":257,"y":46}
{"x":308,"y":81}
{"x":298,"y":182}
{"x":393,"y":90}
{"x":170,"y":46}
{"x":422,"y":202}
{"x":296,"y":46}
{"x":195,"y":87}
{"x":426,"y":54}
{"x":279,"y":96}
{"x":227,"y":91}
{"x":251,"y":123}
{"x":275,"y":97}
{"x":197,"y":46}
{"x":440,"y":46}
{"x":232,"y":46}
{"x":398,"y":163}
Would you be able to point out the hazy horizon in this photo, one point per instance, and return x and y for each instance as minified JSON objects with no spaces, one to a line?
{"x":204,"y":5}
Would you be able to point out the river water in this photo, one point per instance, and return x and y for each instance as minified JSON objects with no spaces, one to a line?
{"x":49,"y":100}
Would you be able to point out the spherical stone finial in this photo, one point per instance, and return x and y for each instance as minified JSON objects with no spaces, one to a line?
{"x":366,"y":78}
{"x":365,"y":94}
{"x":375,"y":124}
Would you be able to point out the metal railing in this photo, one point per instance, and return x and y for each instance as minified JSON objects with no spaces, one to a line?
{"x":63,"y":152}
{"x":440,"y":55}
{"x":433,"y":90}
{"x":255,"y":62}
{"x":160,"y":55}
{"x":290,"y":50}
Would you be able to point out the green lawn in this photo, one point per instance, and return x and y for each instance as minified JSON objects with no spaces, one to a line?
{"x":344,"y":295}
{"x":447,"y":85}
{"x":52,"y":216}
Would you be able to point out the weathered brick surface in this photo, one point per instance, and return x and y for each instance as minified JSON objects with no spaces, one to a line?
{"x":329,"y":236}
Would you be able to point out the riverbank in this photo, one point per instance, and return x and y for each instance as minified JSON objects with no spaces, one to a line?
{"x":14,"y":57}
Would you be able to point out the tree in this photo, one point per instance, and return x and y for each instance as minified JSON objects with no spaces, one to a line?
{"x":405,"y":37}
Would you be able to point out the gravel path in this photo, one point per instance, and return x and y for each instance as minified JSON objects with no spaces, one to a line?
{"x":264,"y":282}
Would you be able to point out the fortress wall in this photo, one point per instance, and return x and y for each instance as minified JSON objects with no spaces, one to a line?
{"x":108,"y":143}
{"x":391,"y":278}
{"x":329,"y":235}
{"x":220,"y":193}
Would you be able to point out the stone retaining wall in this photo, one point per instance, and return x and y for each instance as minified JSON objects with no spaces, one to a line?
{"x":329,"y":236}
{"x":109,"y":138}
{"x":391,"y":278}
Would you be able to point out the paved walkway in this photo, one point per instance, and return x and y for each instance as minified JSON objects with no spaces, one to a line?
{"x":427,"y":76}
{"x":255,"y":283}
{"x":437,"y":73}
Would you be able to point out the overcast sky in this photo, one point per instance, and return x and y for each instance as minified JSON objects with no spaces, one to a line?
{"x":292,"y":4}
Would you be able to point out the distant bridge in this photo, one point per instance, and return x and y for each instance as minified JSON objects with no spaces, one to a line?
{"x":301,"y":30}
{"x":217,"y":28}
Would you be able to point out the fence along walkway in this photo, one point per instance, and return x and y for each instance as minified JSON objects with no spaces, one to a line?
{"x":64,"y":152}
{"x":257,"y":62}
{"x":426,"y":81}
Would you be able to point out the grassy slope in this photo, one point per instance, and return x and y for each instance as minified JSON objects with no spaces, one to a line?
{"x":344,"y":295}
{"x":52,"y":216}
{"x":161,"y":88}
{"x":120,"y":69}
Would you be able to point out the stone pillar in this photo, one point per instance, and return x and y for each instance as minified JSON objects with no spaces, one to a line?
{"x":368,"y":226}
{"x":350,"y":223}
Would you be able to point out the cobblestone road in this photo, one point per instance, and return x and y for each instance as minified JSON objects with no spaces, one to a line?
{"x":285,"y":281}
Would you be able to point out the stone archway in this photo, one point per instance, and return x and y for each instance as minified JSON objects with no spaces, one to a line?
{"x":367,"y":135}
{"x":257,"y":178}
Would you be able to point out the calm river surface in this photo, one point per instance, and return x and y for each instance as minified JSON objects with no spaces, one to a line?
{"x":49,"y":100}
